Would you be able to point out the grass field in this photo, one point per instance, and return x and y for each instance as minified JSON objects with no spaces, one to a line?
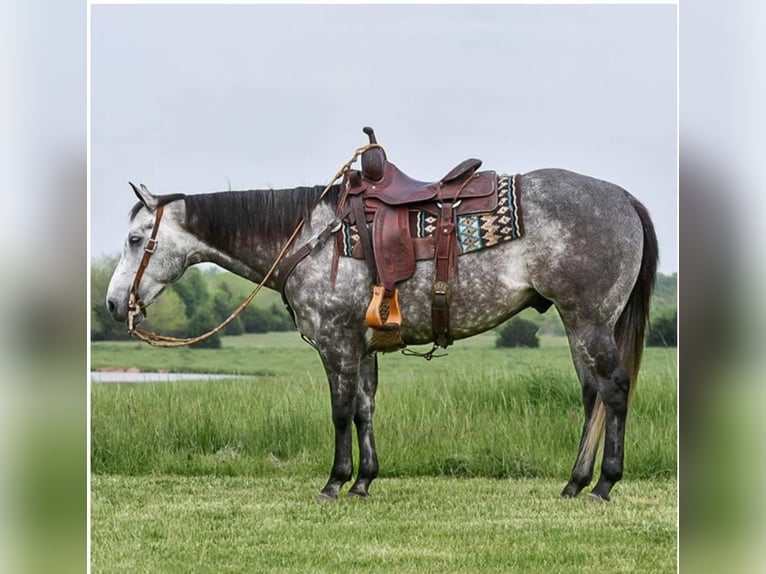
{"x":248,"y":524}
{"x":474,"y":448}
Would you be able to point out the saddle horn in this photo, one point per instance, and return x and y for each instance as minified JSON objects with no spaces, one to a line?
{"x":370,"y":133}
{"x":373,"y":160}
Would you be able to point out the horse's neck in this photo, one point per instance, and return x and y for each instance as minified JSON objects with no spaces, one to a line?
{"x":253,"y":263}
{"x":247,"y":269}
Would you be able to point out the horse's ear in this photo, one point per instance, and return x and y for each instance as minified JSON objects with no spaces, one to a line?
{"x":145,"y":196}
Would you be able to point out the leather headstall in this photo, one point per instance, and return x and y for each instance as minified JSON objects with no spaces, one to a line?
{"x":134,"y":303}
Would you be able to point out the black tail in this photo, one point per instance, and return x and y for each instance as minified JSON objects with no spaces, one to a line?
{"x":631,"y":326}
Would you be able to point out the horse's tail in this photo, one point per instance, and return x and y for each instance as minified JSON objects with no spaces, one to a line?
{"x":631,"y":326}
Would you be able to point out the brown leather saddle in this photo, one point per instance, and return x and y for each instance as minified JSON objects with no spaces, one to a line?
{"x":379,"y":199}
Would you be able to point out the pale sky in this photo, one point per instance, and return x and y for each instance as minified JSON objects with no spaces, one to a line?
{"x":197,"y":98}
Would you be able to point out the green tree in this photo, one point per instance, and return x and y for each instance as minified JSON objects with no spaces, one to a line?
{"x":280,"y":318}
{"x":266,"y":319}
{"x":202,"y":322}
{"x":663,"y":331}
{"x":102,"y":325}
{"x":517,"y":332}
{"x":224,"y":303}
{"x":167,"y":315}
{"x":192,"y":288}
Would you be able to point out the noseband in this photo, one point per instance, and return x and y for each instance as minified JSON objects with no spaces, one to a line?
{"x":134,"y":303}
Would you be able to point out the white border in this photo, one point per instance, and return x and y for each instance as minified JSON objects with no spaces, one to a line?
{"x":394,"y":2}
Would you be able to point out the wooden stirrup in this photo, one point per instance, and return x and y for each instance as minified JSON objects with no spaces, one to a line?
{"x":374,"y":317}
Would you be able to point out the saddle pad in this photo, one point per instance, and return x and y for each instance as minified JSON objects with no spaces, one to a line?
{"x":474,"y":232}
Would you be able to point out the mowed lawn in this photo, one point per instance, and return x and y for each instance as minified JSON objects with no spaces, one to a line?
{"x":474,"y":448}
{"x":426,"y":524}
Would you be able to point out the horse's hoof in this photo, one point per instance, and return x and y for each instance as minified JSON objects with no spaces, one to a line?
{"x":358,"y":495}
{"x":596,"y":499}
{"x":322,"y":497}
{"x":570,"y":491}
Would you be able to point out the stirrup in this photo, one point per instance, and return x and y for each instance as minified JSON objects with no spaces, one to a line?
{"x":381,"y":305}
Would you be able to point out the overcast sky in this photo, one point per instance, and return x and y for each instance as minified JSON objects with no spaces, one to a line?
{"x":205,"y":98}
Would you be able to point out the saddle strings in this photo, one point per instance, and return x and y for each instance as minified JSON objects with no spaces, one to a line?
{"x":158,"y":340}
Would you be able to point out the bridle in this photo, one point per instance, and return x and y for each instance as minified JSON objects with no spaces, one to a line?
{"x":135,"y":305}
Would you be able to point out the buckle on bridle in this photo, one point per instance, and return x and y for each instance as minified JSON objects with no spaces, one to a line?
{"x":151,"y":246}
{"x":333,"y":227}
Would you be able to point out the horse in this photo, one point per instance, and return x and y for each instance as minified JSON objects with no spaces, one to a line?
{"x":589,"y":248}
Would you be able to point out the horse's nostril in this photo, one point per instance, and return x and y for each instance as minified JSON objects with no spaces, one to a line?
{"x":111,"y":306}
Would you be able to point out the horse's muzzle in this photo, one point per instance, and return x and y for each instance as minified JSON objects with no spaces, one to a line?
{"x":120,"y":312}
{"x":117,"y":311}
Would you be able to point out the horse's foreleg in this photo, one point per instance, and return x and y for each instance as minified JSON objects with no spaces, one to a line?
{"x":342,"y":377}
{"x":365,"y":408}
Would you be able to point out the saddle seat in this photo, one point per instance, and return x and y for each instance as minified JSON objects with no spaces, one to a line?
{"x":469,"y":191}
{"x":397,"y":188}
{"x":381,"y":197}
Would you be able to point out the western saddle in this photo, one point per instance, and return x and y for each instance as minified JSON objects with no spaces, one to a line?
{"x":379,"y":199}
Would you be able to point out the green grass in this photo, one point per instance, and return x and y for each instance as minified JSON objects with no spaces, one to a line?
{"x":220,"y":476}
{"x":479,"y":412}
{"x":246,"y":524}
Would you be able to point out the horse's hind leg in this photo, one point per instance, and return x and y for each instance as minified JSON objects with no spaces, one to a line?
{"x":365,"y":409}
{"x":582,"y":472}
{"x":603,"y":376}
{"x":613,"y":387}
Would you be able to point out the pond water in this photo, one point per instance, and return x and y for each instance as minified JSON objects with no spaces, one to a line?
{"x":133,"y":377}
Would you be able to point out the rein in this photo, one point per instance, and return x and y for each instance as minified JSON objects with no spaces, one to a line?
{"x":135,"y":305}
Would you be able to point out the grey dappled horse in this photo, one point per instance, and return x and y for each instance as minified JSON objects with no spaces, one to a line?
{"x":589,"y":248}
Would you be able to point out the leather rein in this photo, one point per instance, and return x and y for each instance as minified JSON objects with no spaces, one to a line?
{"x":282,"y":269}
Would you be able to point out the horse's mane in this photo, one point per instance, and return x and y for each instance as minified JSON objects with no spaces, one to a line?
{"x":230,"y":220}
{"x":161,"y":200}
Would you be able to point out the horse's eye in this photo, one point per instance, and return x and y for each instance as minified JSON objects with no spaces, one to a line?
{"x":134,"y":240}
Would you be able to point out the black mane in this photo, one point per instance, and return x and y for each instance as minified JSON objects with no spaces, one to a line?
{"x":230,"y":220}
{"x":161,"y":200}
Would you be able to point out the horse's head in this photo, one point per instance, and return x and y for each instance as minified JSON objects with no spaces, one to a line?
{"x":157,"y":251}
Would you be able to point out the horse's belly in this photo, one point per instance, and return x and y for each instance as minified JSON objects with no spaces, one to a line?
{"x":487,"y":291}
